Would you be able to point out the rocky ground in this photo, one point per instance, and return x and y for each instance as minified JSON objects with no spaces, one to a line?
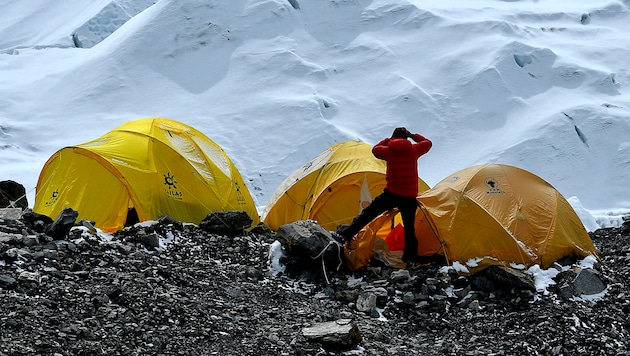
{"x":173,"y":289}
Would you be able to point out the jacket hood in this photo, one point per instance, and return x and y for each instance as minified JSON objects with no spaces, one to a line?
{"x":399,"y":145}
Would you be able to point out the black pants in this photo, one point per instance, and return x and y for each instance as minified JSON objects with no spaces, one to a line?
{"x":387,"y":201}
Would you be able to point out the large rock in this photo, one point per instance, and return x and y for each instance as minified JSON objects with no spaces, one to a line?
{"x":60,"y":228}
{"x":305,"y":236}
{"x":12,"y":195}
{"x":340,"y":334}
{"x":7,"y":282}
{"x":311,"y":245}
{"x":36,"y":221}
{"x":203,"y":294}
{"x":226,"y":222}
{"x":501,"y":277}
{"x":579,"y":282}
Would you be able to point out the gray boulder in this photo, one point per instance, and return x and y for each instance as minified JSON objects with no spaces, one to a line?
{"x":579,"y":282}
{"x":311,"y":247}
{"x":342,"y":334}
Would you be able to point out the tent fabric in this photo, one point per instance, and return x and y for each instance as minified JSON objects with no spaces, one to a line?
{"x":496,"y":214}
{"x":331,"y":189}
{"x":382,"y":240}
{"x":155,"y":165}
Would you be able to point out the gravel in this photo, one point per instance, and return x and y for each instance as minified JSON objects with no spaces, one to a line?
{"x":169,"y":288}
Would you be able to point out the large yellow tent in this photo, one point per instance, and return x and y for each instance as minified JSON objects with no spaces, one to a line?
{"x":331,"y":189}
{"x":156,"y":166}
{"x":490,"y":214}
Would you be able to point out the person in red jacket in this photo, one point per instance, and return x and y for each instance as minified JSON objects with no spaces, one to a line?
{"x":401,"y":188}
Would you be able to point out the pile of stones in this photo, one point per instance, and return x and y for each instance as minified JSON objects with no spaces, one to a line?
{"x":169,"y":288}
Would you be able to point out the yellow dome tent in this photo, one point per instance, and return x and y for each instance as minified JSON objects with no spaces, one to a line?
{"x":155,"y":165}
{"x":331,"y":189}
{"x":491,"y":214}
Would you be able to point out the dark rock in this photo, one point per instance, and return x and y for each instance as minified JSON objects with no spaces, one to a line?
{"x":36,"y":221}
{"x":347,"y":296}
{"x":7,"y":282}
{"x":12,"y":195}
{"x":254,"y":274}
{"x":306,"y":237}
{"x":226,"y":222}
{"x":113,"y":293}
{"x":366,"y":302}
{"x":500,"y":277}
{"x":60,"y":228}
{"x":578,"y":282}
{"x":150,"y":240}
{"x":10,"y":238}
{"x":311,"y":247}
{"x":169,"y":221}
{"x":12,"y":324}
{"x":588,"y":282}
{"x":205,"y":293}
{"x":30,"y":241}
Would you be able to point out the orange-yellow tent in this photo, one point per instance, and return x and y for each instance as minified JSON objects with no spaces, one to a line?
{"x":157,"y":166}
{"x":492,"y":214}
{"x":331,"y":189}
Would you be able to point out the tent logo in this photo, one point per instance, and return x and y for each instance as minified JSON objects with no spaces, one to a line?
{"x":453,"y":179}
{"x":53,"y":198}
{"x":239,"y":195}
{"x":493,"y":186}
{"x":171,"y":187}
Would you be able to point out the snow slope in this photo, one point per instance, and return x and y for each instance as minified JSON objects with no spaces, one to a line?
{"x":542,"y":85}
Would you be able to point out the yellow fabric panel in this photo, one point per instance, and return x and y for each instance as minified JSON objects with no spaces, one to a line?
{"x":494,"y":214}
{"x":167,"y":168}
{"x":511,"y":196}
{"x":294,"y":199}
{"x":341,"y":202}
{"x":570,"y":238}
{"x":328,"y":188}
{"x":428,"y":242}
{"x":288,"y":203}
{"x":361,"y":250}
{"x":470,"y":235}
{"x":371,"y":241}
{"x":475,"y":234}
{"x":172,"y":189}
{"x":123,"y":148}
{"x":73,"y":180}
{"x":193,"y":175}
{"x":483,"y":200}
{"x":288,"y":200}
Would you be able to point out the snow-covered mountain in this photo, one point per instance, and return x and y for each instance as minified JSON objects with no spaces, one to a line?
{"x":542,"y":84}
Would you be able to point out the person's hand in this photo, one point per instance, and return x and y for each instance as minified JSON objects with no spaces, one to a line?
{"x":408,"y":133}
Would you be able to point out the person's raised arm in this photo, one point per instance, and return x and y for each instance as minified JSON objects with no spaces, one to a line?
{"x":380,"y":149}
{"x":422,"y":142}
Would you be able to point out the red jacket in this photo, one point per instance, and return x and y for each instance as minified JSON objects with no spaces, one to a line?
{"x":402,"y":162}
